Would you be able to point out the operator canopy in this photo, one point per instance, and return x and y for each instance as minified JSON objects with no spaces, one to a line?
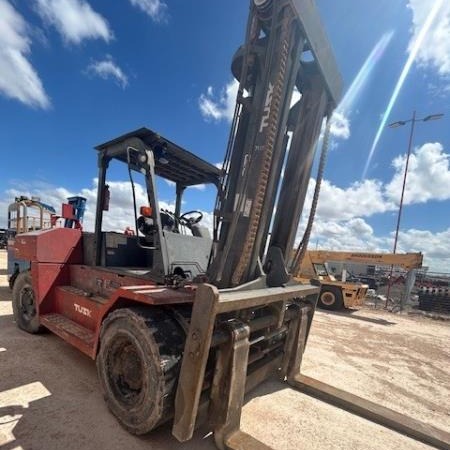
{"x":172,"y":162}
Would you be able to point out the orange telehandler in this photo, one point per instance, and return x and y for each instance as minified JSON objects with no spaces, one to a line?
{"x":335,"y":294}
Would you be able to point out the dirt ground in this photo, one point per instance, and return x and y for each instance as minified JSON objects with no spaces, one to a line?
{"x":49,"y":395}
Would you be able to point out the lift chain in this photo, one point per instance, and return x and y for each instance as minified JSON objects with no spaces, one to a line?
{"x":263,"y":178}
{"x":300,"y":252}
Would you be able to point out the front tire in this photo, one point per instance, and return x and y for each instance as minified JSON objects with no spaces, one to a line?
{"x":24,"y":304}
{"x":138,"y":366}
{"x":330,"y":298}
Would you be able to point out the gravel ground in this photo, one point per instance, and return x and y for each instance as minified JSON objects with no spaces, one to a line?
{"x":49,"y":395}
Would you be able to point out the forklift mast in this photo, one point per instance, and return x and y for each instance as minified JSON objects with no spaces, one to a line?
{"x":272,"y":141}
{"x":285,"y":50}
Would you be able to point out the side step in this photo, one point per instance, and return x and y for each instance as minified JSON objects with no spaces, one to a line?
{"x":70,"y":331}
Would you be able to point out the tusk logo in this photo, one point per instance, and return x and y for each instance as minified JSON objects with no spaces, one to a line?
{"x":266,"y":114}
{"x":82,"y":310}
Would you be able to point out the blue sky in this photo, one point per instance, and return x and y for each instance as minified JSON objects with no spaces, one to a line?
{"x":75,"y":73}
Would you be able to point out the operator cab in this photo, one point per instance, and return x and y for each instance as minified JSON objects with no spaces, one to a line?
{"x":322,"y":272}
{"x":161,"y":243}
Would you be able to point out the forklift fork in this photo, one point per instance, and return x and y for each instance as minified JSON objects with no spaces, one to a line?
{"x":230,"y":380}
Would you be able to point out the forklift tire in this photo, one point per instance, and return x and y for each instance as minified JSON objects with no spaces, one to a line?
{"x":12,"y":279}
{"x":138,"y":366}
{"x":330,"y":298}
{"x":24,"y":304}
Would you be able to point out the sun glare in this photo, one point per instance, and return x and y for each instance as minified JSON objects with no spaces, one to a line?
{"x":364,"y":73}
{"x":409,"y":62}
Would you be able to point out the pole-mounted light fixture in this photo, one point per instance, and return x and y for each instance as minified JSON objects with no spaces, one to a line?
{"x":397,"y":124}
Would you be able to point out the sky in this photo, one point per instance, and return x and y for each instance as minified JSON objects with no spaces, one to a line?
{"x":77,"y":73}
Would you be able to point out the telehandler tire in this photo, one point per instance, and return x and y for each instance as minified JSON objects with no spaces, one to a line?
{"x":24,"y":304}
{"x":330,"y":298}
{"x":138,"y":366}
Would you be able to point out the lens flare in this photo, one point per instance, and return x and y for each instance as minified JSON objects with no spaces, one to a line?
{"x":409,"y":62}
{"x":340,"y":126}
{"x":364,"y":73}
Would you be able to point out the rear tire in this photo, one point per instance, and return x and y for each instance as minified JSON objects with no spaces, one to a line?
{"x":138,"y":366}
{"x":330,"y":298}
{"x":24,"y":304}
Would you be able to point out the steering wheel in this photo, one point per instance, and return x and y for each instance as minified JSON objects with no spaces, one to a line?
{"x":188,"y":221}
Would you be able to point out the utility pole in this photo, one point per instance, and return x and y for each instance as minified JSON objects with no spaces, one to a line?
{"x":397,"y":124}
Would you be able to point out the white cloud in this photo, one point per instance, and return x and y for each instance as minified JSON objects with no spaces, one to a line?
{"x":428,"y":175}
{"x":219,"y":107}
{"x":18,"y":79}
{"x":119,"y":216}
{"x":435,"y":246}
{"x":339,"y":129}
{"x":340,"y":222}
{"x":428,"y":179}
{"x":156,"y":9}
{"x":435,"y":51}
{"x":347,"y":234}
{"x":357,"y":235}
{"x":198,"y":187}
{"x":108,"y":69}
{"x":354,"y":234}
{"x":360,"y":199}
{"x":340,"y":125}
{"x":75,"y":20}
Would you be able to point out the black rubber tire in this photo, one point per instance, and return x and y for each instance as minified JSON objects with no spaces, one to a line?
{"x":330,"y":298}
{"x":138,"y":366}
{"x":12,"y":279}
{"x":24,"y":304}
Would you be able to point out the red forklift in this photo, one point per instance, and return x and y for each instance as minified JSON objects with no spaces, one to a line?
{"x":181,"y":324}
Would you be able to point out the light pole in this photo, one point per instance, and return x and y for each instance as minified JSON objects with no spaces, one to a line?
{"x":397,"y":124}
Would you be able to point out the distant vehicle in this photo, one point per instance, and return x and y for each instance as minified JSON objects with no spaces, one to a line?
{"x":336,"y":294}
{"x":25,"y":215}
